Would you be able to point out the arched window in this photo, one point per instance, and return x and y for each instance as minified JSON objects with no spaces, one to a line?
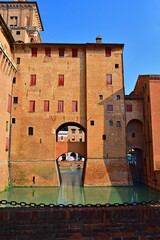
{"x":30,"y":131}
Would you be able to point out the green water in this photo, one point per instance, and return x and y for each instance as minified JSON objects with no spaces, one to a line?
{"x":72,"y":193}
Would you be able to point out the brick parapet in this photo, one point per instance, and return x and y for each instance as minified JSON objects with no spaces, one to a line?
{"x":140,"y":222}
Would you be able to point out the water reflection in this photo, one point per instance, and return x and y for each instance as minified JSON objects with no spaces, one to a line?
{"x":72,"y":193}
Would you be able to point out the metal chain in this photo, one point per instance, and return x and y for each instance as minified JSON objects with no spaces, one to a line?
{"x":43,"y":205}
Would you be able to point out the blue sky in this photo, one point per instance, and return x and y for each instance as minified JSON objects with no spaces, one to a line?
{"x":136,"y":23}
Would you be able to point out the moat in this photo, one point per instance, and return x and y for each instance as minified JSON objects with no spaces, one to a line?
{"x":70,"y":192}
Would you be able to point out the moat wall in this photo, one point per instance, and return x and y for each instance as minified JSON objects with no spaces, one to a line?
{"x":131,"y":222}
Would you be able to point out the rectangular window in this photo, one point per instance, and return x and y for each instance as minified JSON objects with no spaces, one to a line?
{"x":18,"y":60}
{"x":18,"y":32}
{"x":13,"y":120}
{"x":61,"y":52}
{"x":32,"y":106}
{"x":74,"y":106}
{"x":9,"y":103}
{"x":33,"y":80}
{"x":34,"y":52}
{"x":60,"y":80}
{"x":48,"y":52}
{"x":116,"y":65}
{"x":14,"y":80}
{"x":100,"y":97}
{"x":108,"y":52}
{"x":80,"y":131}
{"x":109,"y":108}
{"x":129,"y":107}
{"x":110,"y":123}
{"x":46,"y":106}
{"x":6,"y":126}
{"x":7,"y":144}
{"x":109,"y":79}
{"x":92,"y":123}
{"x":118,"y":97}
{"x":74,"y":52}
{"x":103,"y":137}
{"x":15,"y":100}
{"x":30,"y":131}
{"x":73,"y":131}
{"x":60,"y":106}
{"x":118,"y":123}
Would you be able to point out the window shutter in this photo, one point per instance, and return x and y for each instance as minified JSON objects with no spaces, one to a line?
{"x":34,"y":52}
{"x":74,"y":106}
{"x":74,"y":52}
{"x":61,"y":52}
{"x":7,"y":144}
{"x":108,"y":52}
{"x":60,"y":106}
{"x":129,"y":108}
{"x":109,"y":79}
{"x":109,"y":108}
{"x":33,"y":80}
{"x":46,"y":106}
{"x":60,"y":80}
{"x":32,"y":106}
{"x":9,"y":103}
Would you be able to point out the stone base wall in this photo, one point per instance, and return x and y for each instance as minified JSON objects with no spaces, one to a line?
{"x":140,"y":222}
{"x":106,"y":172}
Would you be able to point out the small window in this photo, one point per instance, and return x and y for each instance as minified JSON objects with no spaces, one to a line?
{"x":73,"y":131}
{"x":34,"y":52}
{"x":129,"y":107}
{"x":100,"y":97}
{"x":46,"y":106}
{"x":9,"y":103}
{"x":18,"y":33}
{"x":133,"y":135}
{"x":80,"y":131}
{"x":118,"y":97}
{"x":118,"y":123}
{"x":13,"y":120}
{"x":74,"y":52}
{"x":60,"y":80}
{"x":48,"y":52}
{"x":60,"y":106}
{"x":61,"y":138}
{"x":92,"y":123}
{"x":103,"y":137}
{"x":110,"y":123}
{"x":33,"y":80}
{"x":30,"y":131}
{"x":7,"y":144}
{"x":108,"y":79}
{"x":32,"y":106}
{"x":61,"y":52}
{"x":109,"y":108}
{"x":108,"y":52}
{"x":80,"y":139}
{"x":116,"y":65}
{"x":15,"y":100}
{"x":6,"y":126}
{"x":14,"y":80}
{"x":74,"y":106}
{"x":18,"y":60}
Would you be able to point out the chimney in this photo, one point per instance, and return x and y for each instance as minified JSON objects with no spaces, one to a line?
{"x":98,"y":39}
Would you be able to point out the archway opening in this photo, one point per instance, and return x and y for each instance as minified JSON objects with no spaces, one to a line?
{"x":70,"y":166}
{"x":134,"y":157}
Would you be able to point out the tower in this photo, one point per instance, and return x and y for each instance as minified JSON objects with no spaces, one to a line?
{"x":23,"y":20}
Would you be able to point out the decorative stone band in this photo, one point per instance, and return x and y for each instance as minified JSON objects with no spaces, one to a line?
{"x":2,"y":49}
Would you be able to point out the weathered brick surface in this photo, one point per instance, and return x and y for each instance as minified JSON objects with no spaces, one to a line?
{"x":112,"y":223}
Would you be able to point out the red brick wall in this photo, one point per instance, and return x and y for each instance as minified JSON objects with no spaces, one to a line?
{"x":140,"y":222}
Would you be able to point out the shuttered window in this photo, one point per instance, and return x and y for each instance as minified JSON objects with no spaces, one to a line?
{"x":61,"y":52}
{"x":60,"y":80}
{"x":109,"y":108}
{"x":74,"y":106}
{"x":74,"y":52}
{"x":46,"y":106}
{"x":47,"y":52}
{"x":9,"y":103}
{"x":60,"y":106}
{"x":34,"y":52}
{"x":33,"y":80}
{"x":109,"y":79}
{"x":108,"y":52}
{"x":32,"y":106}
